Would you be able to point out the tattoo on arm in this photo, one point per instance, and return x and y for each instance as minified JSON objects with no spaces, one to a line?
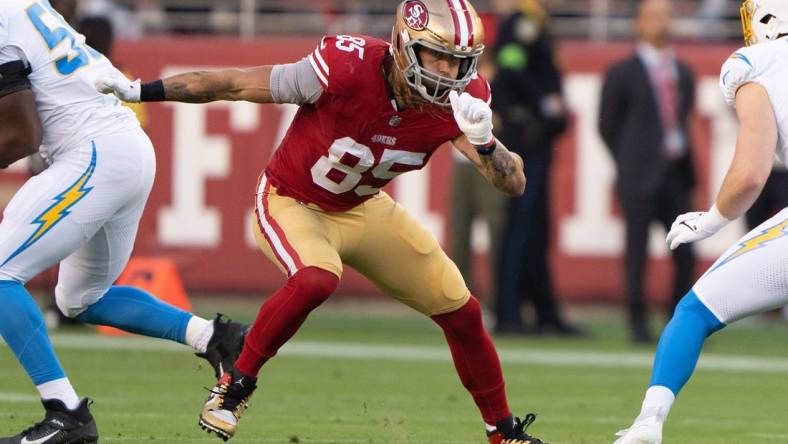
{"x":500,"y":167}
{"x":195,"y":87}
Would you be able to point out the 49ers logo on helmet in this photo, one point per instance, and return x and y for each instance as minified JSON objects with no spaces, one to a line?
{"x":416,"y":15}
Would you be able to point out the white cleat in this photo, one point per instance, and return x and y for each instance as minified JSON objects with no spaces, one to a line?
{"x":645,"y":431}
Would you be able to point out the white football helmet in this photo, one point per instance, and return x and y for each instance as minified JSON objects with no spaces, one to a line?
{"x":763,"y":20}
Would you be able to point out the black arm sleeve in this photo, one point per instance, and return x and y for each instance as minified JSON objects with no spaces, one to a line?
{"x":13,"y":77}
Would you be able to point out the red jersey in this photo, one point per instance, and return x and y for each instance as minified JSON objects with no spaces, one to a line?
{"x":343,"y":149}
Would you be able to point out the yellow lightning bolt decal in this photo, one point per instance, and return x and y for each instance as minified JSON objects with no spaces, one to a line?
{"x":766,"y":236}
{"x":60,"y":208}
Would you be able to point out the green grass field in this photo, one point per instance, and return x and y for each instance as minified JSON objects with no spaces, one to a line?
{"x":384,"y":376}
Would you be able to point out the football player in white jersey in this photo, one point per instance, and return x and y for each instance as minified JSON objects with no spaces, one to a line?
{"x":83,"y":211}
{"x":752,"y":275}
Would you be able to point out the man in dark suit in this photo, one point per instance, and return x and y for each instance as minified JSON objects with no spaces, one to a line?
{"x":644,"y":119}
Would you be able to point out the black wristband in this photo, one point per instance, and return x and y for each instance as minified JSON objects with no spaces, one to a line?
{"x":152,"y":92}
{"x":486,"y":150}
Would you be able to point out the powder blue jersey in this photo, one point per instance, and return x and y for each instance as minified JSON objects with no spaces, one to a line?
{"x":766,"y":64}
{"x":64,"y":71}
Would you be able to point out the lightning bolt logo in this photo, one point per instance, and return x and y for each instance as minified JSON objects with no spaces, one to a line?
{"x":768,"y":235}
{"x":742,"y":57}
{"x":56,"y":212}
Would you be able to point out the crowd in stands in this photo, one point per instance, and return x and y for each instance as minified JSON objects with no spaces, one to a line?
{"x":595,"y":19}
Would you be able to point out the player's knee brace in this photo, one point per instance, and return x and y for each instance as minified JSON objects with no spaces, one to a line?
{"x":314,"y":284}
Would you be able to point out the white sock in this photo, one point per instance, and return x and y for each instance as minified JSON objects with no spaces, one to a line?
{"x":657,"y":402}
{"x":198,"y":333}
{"x":489,"y":428}
{"x":59,"y":389}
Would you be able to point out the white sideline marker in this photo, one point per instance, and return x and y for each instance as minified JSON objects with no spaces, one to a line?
{"x":406,"y":353}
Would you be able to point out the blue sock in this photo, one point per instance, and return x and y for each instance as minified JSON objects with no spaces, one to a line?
{"x":137,"y":311}
{"x":23,"y":329}
{"x":681,"y":342}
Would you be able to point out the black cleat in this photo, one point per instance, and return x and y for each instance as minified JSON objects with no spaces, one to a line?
{"x":226,"y":403}
{"x":60,"y":426}
{"x":512,"y":431}
{"x":225,"y":344}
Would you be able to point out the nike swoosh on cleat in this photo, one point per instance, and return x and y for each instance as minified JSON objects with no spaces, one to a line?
{"x":39,"y":440}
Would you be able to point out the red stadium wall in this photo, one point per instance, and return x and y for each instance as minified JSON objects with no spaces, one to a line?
{"x":209,"y":159}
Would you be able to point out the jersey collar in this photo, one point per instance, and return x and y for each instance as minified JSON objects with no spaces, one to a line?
{"x":387,"y":61}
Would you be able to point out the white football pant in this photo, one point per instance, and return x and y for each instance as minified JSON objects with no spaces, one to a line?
{"x":83,"y":211}
{"x":751,"y":276}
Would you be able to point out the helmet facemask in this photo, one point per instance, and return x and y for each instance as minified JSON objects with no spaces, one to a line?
{"x":452,"y":29}
{"x":763,"y":20}
{"x":432,"y":86}
{"x":745,"y":12}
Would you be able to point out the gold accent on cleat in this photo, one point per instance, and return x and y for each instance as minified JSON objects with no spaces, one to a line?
{"x":215,"y":417}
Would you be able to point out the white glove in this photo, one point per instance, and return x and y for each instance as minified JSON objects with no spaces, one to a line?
{"x":695,"y":226}
{"x":116,"y":83}
{"x":473,"y":116}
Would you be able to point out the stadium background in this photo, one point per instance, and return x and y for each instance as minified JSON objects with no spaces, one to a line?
{"x":209,"y":157}
{"x":363,"y":370}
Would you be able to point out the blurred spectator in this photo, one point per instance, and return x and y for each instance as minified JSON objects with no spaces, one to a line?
{"x":528,"y":100}
{"x":644,"y":118}
{"x":124,"y":22}
{"x":473,"y":197}
{"x":66,"y":8}
{"x":183,"y":11}
{"x":99,"y":34}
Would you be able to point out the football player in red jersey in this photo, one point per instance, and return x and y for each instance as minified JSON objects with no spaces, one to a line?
{"x":370,"y":110}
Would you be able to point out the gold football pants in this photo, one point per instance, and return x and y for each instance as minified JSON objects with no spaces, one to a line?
{"x":378,"y":238}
